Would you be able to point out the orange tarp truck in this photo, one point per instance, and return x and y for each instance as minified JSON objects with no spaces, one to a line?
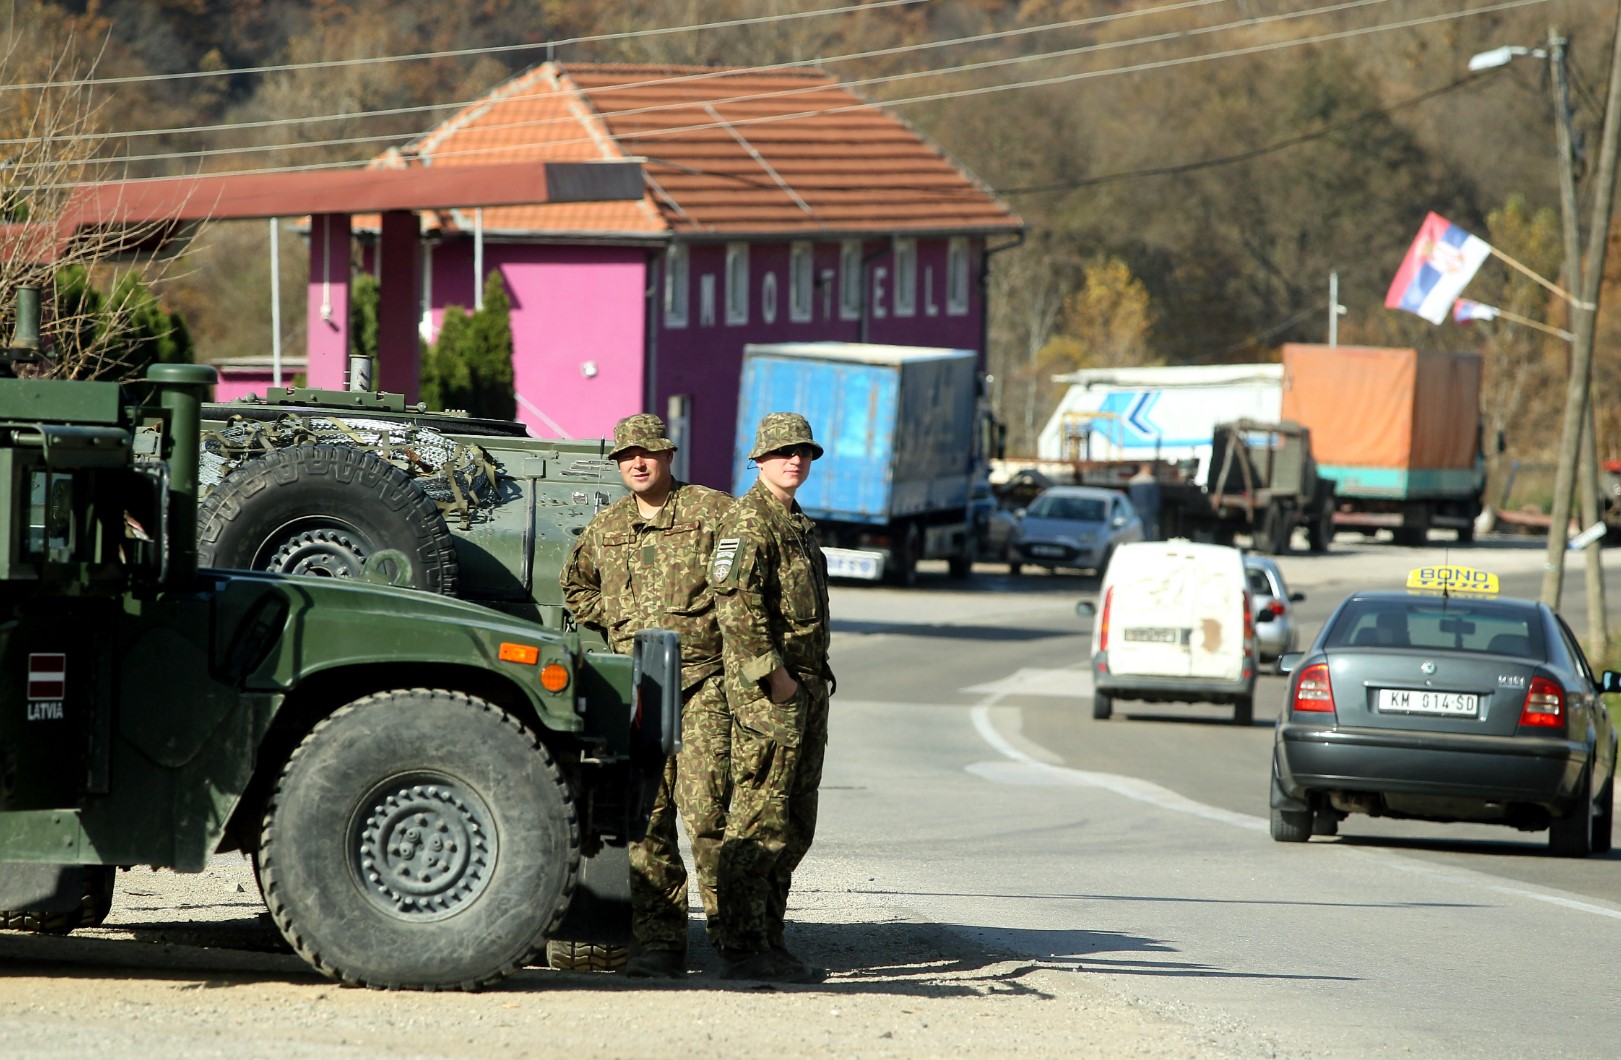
{"x":1397,"y":429}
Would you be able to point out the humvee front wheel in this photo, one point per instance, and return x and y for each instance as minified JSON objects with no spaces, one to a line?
{"x":419,"y":839}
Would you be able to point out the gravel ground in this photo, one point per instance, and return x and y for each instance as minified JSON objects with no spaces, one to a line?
{"x":186,"y":965}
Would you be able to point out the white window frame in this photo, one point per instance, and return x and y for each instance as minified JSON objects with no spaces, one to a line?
{"x":852,"y":280}
{"x":905,"y":254}
{"x":737,"y":283}
{"x":801,"y":282}
{"x":677,"y":285}
{"x":957,"y":288}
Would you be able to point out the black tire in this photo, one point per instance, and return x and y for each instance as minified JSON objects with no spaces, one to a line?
{"x":1014,"y":567}
{"x":1321,"y":531}
{"x":586,"y":956}
{"x":903,"y":571}
{"x":1277,"y":526}
{"x":1291,"y":826}
{"x":397,"y":784}
{"x":1102,"y":705}
{"x":94,"y":905}
{"x":1244,"y":710}
{"x":1571,"y":836}
{"x":1604,"y":819}
{"x":960,"y":567}
{"x":325,"y":510}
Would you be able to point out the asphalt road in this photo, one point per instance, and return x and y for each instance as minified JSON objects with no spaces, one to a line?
{"x":968,"y":766}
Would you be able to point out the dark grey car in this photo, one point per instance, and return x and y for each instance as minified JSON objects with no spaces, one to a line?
{"x":1446,"y":708}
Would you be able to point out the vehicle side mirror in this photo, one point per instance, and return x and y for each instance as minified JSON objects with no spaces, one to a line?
{"x":1295,"y":598}
{"x":1289,"y":660}
{"x":1085,"y":608}
{"x":1265,"y":616}
{"x":1610,"y":682}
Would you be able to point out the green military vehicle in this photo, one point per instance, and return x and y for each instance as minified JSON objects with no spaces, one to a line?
{"x":335,"y":483}
{"x":416,"y":778}
{"x":325,"y":482}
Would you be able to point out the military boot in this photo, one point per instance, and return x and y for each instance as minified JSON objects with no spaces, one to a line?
{"x":657,"y":964}
{"x":768,"y":966}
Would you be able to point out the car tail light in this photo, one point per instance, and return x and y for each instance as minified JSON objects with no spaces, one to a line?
{"x":1103,"y":621}
{"x":1313,"y":692}
{"x":1277,"y":608}
{"x":1249,"y":626}
{"x":1544,"y":706}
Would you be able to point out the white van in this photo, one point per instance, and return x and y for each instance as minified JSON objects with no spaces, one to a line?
{"x":1173,"y":624}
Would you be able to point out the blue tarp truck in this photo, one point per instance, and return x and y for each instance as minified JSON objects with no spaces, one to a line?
{"x":906,"y":438}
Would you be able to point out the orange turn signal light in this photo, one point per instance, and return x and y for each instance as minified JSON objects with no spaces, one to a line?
{"x":554,"y":677}
{"x":527,"y":654}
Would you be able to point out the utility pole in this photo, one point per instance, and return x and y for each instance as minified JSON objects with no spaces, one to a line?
{"x":1598,"y":241}
{"x":1335,"y":310}
{"x":1583,"y":312}
{"x":1587,"y":459}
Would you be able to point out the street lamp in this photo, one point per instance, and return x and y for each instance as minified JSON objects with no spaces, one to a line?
{"x":1502,"y":57}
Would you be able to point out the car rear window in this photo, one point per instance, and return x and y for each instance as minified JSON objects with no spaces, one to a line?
{"x":1258,"y":582}
{"x":1486,"y":627}
{"x":1080,"y":509}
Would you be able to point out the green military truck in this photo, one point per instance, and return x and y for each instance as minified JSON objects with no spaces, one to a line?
{"x":416,"y":778}
{"x":332,"y":484}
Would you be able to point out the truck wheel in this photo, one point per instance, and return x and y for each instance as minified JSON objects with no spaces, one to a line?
{"x":325,"y":510}
{"x":1321,"y":530}
{"x":419,"y":839}
{"x":1276,"y":528}
{"x":904,"y":570}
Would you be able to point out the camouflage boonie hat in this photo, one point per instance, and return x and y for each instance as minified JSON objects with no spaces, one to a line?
{"x":779,"y":430}
{"x":641,"y":431}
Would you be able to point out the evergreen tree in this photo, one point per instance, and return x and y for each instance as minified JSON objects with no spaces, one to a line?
{"x":469,"y":368}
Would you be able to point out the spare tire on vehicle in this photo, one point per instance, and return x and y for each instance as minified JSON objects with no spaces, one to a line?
{"x":327,"y":510}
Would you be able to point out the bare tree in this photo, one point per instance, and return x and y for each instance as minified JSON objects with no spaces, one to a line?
{"x":52,"y":147}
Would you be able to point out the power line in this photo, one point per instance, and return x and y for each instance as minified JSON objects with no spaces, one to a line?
{"x":957,"y":69}
{"x":1244,"y":156}
{"x":979,"y":38}
{"x":455,"y":53}
{"x":1009,"y":86}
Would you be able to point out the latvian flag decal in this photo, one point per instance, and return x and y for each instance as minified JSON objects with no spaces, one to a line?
{"x":47,"y":675}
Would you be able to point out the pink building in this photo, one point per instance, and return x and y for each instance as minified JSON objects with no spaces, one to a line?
{"x":778,"y":207}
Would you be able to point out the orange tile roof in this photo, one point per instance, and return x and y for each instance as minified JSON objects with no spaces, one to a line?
{"x":730,"y":151}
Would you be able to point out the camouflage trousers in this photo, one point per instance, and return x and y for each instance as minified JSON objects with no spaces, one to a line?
{"x":777,"y":755}
{"x":696,"y":783}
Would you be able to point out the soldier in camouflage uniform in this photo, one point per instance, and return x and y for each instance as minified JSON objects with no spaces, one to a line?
{"x":640,"y":564}
{"x":770,"y":582}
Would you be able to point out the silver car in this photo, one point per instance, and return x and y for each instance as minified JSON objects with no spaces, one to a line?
{"x":1275,"y":628}
{"x":1073,"y":526}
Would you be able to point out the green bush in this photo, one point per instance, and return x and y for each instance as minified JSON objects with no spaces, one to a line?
{"x":469,"y":367}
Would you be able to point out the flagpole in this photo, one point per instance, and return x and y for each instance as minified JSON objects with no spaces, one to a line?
{"x":1549,"y":284}
{"x":1515,"y":318}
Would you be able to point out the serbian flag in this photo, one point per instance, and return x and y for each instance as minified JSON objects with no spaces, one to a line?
{"x":1439,"y":264}
{"x":1463,"y":311}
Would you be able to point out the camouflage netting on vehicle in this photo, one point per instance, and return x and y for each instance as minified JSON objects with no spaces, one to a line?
{"x":459,"y":478}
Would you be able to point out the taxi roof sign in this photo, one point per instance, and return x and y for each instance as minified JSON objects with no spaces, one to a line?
{"x":1447,"y":580}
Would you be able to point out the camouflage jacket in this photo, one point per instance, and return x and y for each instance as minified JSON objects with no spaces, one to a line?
{"x":770,"y":581}
{"x":627,"y":573}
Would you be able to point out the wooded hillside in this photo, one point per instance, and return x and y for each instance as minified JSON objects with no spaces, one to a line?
{"x":1192,"y":172}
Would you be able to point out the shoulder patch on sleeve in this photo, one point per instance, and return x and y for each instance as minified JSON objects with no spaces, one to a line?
{"x":725,"y":556}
